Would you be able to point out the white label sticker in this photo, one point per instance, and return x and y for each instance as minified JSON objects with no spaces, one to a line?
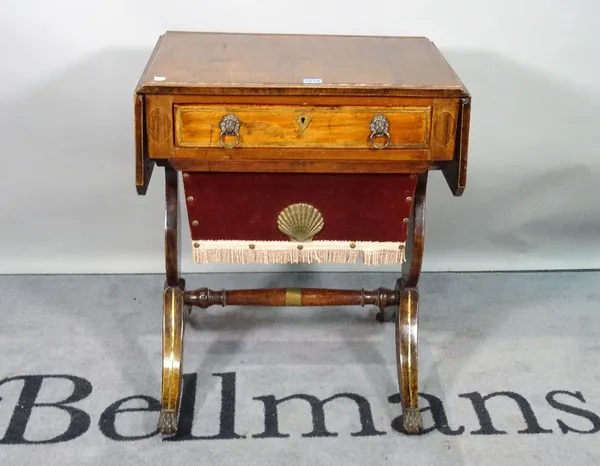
{"x":159,"y":78}
{"x":312,"y":81}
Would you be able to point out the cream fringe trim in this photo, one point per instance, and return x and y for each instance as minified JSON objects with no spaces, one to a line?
{"x":288,"y":252}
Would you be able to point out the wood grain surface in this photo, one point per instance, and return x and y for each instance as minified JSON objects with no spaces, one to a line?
{"x":287,"y":126}
{"x":240,"y":63}
{"x":300,"y":165}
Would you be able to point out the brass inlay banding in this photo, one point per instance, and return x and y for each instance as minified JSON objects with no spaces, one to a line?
{"x":410,"y":337}
{"x":172,"y":353}
{"x":293,"y":296}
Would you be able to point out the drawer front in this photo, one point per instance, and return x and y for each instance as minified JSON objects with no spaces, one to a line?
{"x":315,"y":127}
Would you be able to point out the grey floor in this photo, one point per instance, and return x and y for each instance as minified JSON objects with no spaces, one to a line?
{"x":80,"y":373}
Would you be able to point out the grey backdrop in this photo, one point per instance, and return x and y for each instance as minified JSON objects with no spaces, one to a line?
{"x":67,"y":197}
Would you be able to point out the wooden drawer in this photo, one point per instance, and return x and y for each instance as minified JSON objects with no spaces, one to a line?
{"x":282,"y":126}
{"x":301,"y":134}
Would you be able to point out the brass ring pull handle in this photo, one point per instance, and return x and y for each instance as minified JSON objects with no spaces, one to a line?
{"x":380,"y":127}
{"x":230,"y":126}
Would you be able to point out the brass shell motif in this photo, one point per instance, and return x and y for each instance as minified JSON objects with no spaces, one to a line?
{"x":301,"y":222}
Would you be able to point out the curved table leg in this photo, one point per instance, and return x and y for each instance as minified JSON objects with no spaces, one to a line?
{"x":416,"y":235}
{"x":172,"y":356}
{"x":415,"y":243}
{"x":174,"y":311}
{"x":407,"y":316}
{"x":407,"y":359}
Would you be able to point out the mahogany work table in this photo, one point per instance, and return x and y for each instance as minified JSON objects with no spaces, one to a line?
{"x":298,"y":149}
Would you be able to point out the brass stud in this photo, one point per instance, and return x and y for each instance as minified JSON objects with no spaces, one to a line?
{"x":186,"y":175}
{"x":405,"y":220}
{"x":300,"y":246}
{"x":190,"y":198}
{"x":251,"y":246}
{"x":196,"y":244}
{"x":409,"y":199}
{"x":352,"y":245}
{"x":195,"y":223}
{"x":401,"y":246}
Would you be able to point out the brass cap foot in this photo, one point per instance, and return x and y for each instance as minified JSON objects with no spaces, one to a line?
{"x":412,"y":421}
{"x":167,"y":422}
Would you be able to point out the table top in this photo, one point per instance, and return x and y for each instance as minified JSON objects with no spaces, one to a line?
{"x":185,"y":62}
